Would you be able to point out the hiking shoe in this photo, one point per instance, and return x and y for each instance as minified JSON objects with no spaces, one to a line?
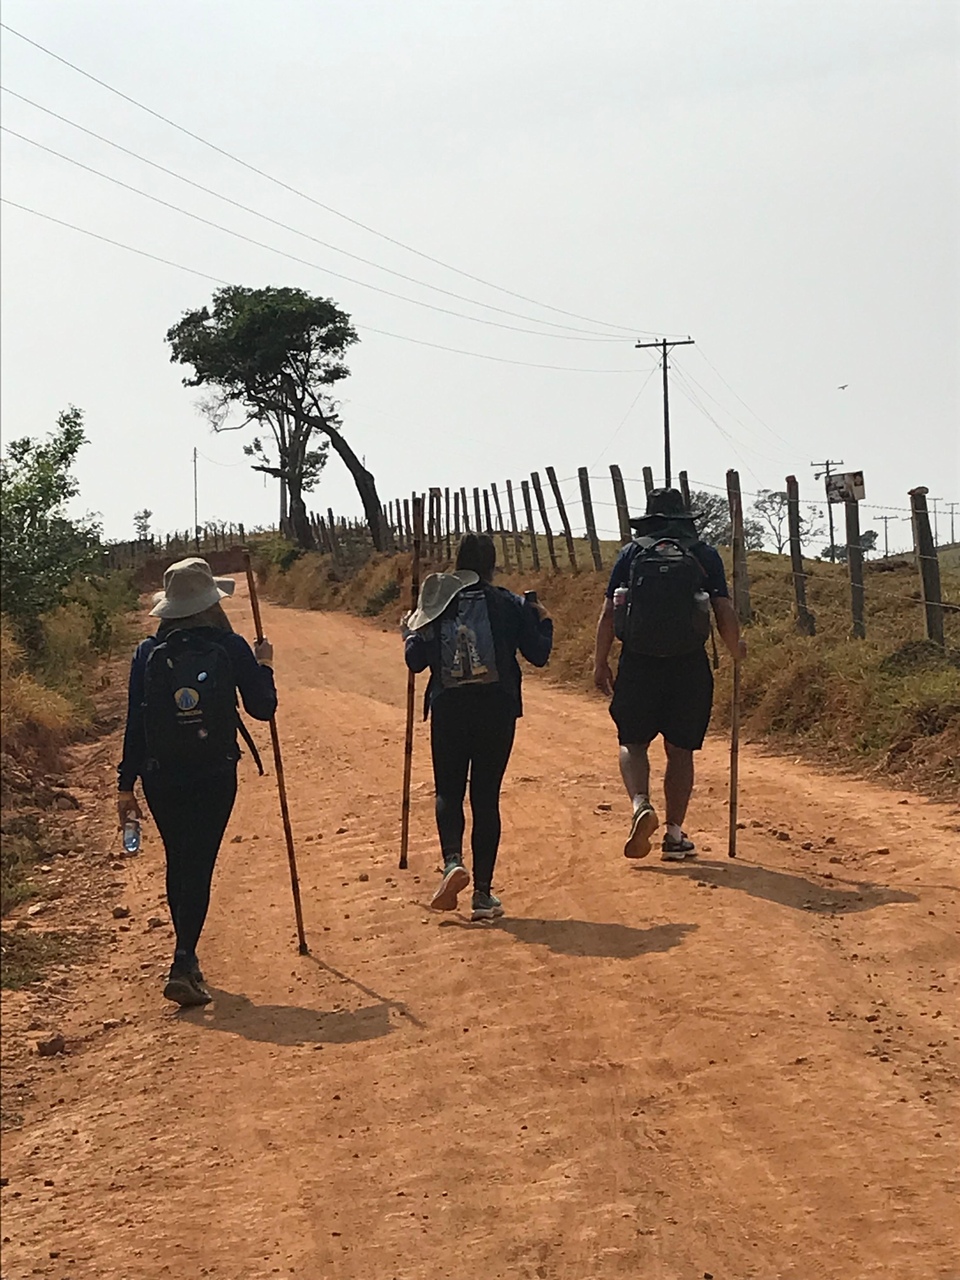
{"x":486,"y":906}
{"x":456,"y":877}
{"x":677,"y":850}
{"x":186,"y":989}
{"x":644,"y":824}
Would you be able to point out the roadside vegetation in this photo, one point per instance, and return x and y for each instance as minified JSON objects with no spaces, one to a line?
{"x":887,"y":706}
{"x":61,"y":618}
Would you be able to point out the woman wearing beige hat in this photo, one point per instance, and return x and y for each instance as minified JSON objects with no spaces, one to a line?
{"x":181,"y":740}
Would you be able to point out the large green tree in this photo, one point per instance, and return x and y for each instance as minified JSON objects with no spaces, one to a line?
{"x":274,"y":354}
{"x":41,"y":548}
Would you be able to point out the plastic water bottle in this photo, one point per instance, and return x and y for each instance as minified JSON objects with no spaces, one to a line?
{"x":131,"y":836}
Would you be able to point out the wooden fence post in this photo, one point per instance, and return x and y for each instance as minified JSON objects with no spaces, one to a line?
{"x":488,"y":528}
{"x":741,"y":580}
{"x":568,"y":536}
{"x":685,"y":489}
{"x":332,"y":531}
{"x":806,"y":623}
{"x":591,"y":524}
{"x":465,"y":511}
{"x":528,"y":507}
{"x":620,"y":498}
{"x":456,"y":513}
{"x":446,"y":522}
{"x":503,"y":533}
{"x":855,"y":568}
{"x":407,"y":531}
{"x":929,"y":564}
{"x":648,"y":479}
{"x":547,"y":532}
{"x":517,"y":544}
{"x":476,"y":510}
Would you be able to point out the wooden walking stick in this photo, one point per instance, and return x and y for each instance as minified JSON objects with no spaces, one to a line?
{"x":411,"y":689}
{"x":278,"y":764}
{"x":739,"y":567}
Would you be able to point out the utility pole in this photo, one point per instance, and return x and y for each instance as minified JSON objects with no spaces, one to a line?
{"x":196,"y":509}
{"x":664,"y":347}
{"x":953,"y":507}
{"x":886,"y":541}
{"x":827,"y":471}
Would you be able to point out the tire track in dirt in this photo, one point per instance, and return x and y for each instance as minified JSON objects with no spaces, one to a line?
{"x":736,"y":1068}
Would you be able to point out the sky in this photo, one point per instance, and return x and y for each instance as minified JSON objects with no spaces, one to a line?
{"x":779,"y":180}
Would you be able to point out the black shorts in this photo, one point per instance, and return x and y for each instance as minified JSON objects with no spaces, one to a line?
{"x":672,"y":696}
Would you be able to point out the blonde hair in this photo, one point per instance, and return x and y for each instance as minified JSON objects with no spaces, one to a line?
{"x":212,"y":617}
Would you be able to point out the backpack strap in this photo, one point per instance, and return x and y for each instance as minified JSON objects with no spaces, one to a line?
{"x":245,"y":735}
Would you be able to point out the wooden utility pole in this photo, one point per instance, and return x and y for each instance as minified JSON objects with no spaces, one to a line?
{"x":855,"y":568}
{"x":929,"y":565}
{"x":825,"y":472}
{"x":886,"y":534}
{"x":805,"y":620}
{"x":666,"y":347}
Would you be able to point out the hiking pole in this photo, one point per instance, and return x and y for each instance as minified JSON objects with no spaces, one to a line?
{"x":278,"y":764}
{"x":734,"y":760}
{"x":411,"y":687}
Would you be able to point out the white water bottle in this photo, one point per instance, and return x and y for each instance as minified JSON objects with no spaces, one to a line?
{"x":131,"y":836}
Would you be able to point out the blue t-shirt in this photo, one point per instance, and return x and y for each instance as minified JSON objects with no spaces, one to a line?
{"x":715,"y":583}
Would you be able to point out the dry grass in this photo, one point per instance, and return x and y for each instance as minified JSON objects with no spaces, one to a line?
{"x":890,"y":703}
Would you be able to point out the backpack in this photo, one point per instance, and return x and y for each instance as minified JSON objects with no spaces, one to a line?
{"x":467,"y":651}
{"x":190,"y":706}
{"x":666,"y":612}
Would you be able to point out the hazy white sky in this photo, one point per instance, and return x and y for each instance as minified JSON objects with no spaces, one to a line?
{"x":777,"y":178}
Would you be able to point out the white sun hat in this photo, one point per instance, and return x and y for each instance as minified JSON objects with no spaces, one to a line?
{"x":189,"y":587}
{"x":436,"y":593}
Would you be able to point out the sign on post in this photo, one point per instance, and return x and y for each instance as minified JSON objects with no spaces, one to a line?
{"x":846,"y":486}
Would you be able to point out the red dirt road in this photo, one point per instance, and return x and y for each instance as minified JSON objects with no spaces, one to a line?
{"x":735,"y":1069}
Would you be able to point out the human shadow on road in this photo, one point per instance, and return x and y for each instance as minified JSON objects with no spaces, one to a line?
{"x":847,"y":896}
{"x":590,"y":938}
{"x":286,"y":1024}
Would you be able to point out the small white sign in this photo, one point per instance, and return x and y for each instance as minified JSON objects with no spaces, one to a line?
{"x":846,"y":486}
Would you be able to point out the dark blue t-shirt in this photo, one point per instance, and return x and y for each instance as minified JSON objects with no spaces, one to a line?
{"x":715,"y":584}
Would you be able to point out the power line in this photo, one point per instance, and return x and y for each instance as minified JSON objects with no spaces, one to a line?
{"x":304,"y":262}
{"x":198,"y":186}
{"x":633,"y":405}
{"x":365,"y":328}
{"x":304,"y":196}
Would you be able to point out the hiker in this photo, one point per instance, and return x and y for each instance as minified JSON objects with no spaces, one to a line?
{"x":467,"y":632}
{"x":181,"y":740}
{"x":658,"y":604}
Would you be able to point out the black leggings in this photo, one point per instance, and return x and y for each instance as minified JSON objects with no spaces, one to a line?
{"x":471,"y":732}
{"x":191,"y":818}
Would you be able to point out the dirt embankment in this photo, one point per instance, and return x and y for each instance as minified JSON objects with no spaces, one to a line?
{"x":743,"y":1069}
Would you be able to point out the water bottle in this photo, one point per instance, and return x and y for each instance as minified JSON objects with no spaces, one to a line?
{"x":131,"y":836}
{"x":620,"y":597}
{"x":530,"y":597}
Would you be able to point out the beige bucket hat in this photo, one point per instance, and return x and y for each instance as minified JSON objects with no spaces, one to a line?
{"x":436,"y":593}
{"x":189,"y":587}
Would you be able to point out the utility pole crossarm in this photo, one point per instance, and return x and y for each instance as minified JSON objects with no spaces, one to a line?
{"x":664,"y":347}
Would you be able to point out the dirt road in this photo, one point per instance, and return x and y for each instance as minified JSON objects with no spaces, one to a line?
{"x":726,"y":1069}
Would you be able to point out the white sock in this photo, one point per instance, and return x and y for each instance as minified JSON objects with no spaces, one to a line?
{"x":673,"y":831}
{"x":639,"y":802}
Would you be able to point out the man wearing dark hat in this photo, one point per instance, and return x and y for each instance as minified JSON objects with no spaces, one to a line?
{"x":658,"y":604}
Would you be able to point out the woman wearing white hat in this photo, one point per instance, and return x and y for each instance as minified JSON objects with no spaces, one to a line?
{"x":181,"y":740}
{"x":468,"y":632}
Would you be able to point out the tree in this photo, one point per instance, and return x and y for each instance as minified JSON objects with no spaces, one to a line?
{"x":771,"y":510}
{"x":273,"y":353}
{"x":141,"y":523}
{"x":868,"y":543}
{"x":714,"y":524}
{"x":41,"y":549}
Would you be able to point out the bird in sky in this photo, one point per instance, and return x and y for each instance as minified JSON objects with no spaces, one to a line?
{"x":844,"y":387}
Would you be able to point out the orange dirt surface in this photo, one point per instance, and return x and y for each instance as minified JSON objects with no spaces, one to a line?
{"x":645,"y":1071}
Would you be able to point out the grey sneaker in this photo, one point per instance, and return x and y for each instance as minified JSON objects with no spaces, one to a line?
{"x":486,"y":906}
{"x":644,"y":824}
{"x":456,"y":877}
{"x":186,"y":991}
{"x":677,"y":850}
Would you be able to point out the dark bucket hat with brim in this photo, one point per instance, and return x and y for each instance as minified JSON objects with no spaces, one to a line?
{"x":664,"y":504}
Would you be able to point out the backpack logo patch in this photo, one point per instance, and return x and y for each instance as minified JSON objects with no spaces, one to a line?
{"x":187,"y":699}
{"x":467,"y":653}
